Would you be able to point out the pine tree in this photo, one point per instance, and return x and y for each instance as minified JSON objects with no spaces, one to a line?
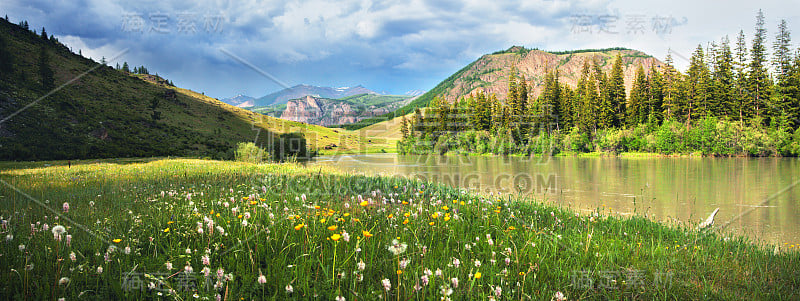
{"x":759,"y":81}
{"x":44,"y":34}
{"x":792,"y":109}
{"x":46,"y":75}
{"x":125,"y":68}
{"x":617,"y":92}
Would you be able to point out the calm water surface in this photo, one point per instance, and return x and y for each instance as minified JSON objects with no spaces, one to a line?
{"x":759,"y":197}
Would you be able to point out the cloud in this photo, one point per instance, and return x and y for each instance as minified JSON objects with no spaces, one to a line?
{"x":383,"y":44}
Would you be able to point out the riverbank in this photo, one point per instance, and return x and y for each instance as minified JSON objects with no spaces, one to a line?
{"x":282,"y":231}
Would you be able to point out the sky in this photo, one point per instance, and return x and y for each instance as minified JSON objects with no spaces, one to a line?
{"x":224,"y":47}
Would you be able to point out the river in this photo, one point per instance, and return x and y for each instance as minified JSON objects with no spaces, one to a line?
{"x":757,"y":197}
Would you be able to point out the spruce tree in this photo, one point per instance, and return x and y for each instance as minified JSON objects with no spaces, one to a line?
{"x":46,"y":75}
{"x":723,"y":91}
{"x":697,"y":104}
{"x":759,"y":81}
{"x":741,"y":104}
{"x":655,"y":96}
{"x":670,"y":106}
{"x":782,"y":60}
{"x":617,"y":92}
{"x":126,"y":68}
{"x":638,"y":101}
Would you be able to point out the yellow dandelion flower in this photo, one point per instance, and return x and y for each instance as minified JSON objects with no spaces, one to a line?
{"x":346,"y":214}
{"x":333,"y":228}
{"x":299,"y":226}
{"x":446,"y":217}
{"x":431,"y":223}
{"x":356,"y":220}
{"x":217,"y":215}
{"x":510,"y":228}
{"x":366,"y":233}
{"x":445,"y":208}
{"x":253,"y":202}
{"x":405,"y":222}
{"x":316,"y":207}
{"x":435,"y":215}
{"x":405,"y":202}
{"x":170,"y":222}
{"x":407,"y":214}
{"x":239,"y":217}
{"x":462,"y":203}
{"x":335,"y":237}
{"x":390,"y":215}
{"x":212,"y":211}
{"x":166,"y":230}
{"x":322,"y":221}
{"x":363,"y":204}
{"x":117,"y":240}
{"x":399,"y":272}
{"x":478,"y":275}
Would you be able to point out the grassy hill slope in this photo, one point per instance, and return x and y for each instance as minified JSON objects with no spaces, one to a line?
{"x":109,"y":113}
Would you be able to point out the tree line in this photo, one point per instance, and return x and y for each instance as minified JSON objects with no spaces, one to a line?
{"x":725,"y":83}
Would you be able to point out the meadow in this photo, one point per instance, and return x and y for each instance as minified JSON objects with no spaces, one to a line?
{"x":189,"y":229}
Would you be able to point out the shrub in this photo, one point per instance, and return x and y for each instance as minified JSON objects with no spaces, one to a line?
{"x":249,"y":152}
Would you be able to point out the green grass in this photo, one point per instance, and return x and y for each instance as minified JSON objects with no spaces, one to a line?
{"x":154,"y":210}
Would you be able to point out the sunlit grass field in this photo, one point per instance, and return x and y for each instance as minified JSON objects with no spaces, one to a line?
{"x":190,"y":229}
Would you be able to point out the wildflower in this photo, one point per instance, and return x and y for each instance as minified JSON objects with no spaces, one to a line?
{"x":335,"y":237}
{"x":188,"y":269}
{"x":127,"y":250}
{"x":100,"y":269}
{"x":397,"y":247}
{"x":333,"y":228}
{"x":498,"y":291}
{"x":21,"y":248}
{"x":63,"y":280}
{"x":72,"y":256}
{"x":188,"y":251}
{"x":404,"y":263}
{"x":477,"y":275}
{"x":438,"y":273}
{"x":559,"y":296}
{"x":477,"y":263}
{"x":387,"y":285}
{"x":220,"y":230}
{"x":456,"y":262}
{"x":206,"y":271}
{"x":299,"y":226}
{"x":340,"y":298}
{"x":262,"y":279}
{"x":361,"y":265}
{"x":345,"y":236}
{"x":454,"y":281}
{"x":166,"y":230}
{"x":399,"y":272}
{"x":363,"y":203}
{"x":425,"y":280}
{"x":206,"y":260}
{"x":289,"y":289}
{"x":117,"y":240}
{"x":57,"y":231}
{"x":168,"y":265}
{"x":445,"y":291}
{"x":65,"y":207}
{"x":366,"y":233}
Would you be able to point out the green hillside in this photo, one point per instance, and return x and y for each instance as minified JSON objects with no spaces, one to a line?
{"x":101,"y":112}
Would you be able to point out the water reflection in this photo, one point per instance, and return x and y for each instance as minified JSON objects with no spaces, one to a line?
{"x":758,"y":197}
